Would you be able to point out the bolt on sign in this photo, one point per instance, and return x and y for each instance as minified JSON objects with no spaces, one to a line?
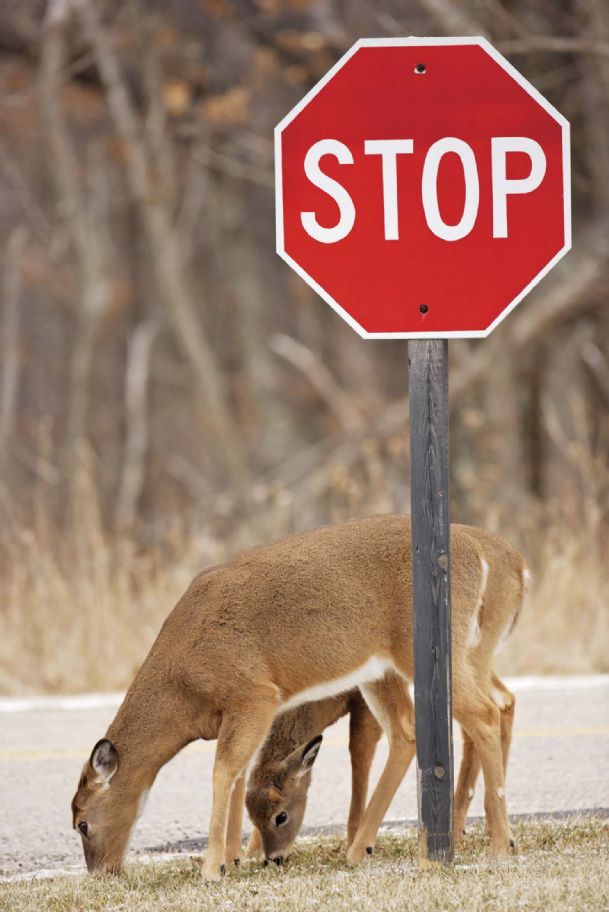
{"x":422,"y":190}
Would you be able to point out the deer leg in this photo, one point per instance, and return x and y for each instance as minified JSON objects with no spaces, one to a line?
{"x":241,"y":734}
{"x":480,"y":717}
{"x":390,"y":703}
{"x":254,"y":845}
{"x":506,"y":701}
{"x":364,"y":733}
{"x":235,"y":821}
{"x":466,"y":783}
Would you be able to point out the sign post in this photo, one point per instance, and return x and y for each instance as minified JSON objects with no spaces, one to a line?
{"x":428,"y":393}
{"x":423,"y":189}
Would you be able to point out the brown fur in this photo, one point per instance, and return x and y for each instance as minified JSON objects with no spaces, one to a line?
{"x":250,"y":634}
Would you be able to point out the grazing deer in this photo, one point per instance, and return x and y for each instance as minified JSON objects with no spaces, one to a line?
{"x":505,"y":586}
{"x":278,"y":784}
{"x":302,"y":619}
{"x":277,"y":788}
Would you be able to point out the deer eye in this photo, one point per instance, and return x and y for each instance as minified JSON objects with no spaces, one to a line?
{"x":84,"y":829}
{"x":280,"y":819}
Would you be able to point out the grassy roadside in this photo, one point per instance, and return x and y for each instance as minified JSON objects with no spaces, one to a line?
{"x":560,"y":865}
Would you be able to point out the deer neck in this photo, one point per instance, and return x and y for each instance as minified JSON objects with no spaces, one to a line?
{"x":324,"y":713}
{"x":149,"y":729}
{"x":296,"y":727}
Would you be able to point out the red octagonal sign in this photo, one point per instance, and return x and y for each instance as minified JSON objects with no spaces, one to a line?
{"x":423,"y":187}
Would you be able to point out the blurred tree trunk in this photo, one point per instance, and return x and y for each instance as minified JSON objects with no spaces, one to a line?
{"x":595,"y":98}
{"x":165,"y":251}
{"x":502,"y":439}
{"x":10,"y":362}
{"x":85,"y":231}
{"x":137,"y":379}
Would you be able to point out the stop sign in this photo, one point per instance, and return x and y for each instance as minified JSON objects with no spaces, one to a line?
{"x":423,"y":187}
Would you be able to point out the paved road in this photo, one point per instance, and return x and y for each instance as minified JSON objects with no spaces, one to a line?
{"x":559,"y":762}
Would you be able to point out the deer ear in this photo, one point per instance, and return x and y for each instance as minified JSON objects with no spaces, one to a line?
{"x":309,"y":753}
{"x":104,"y":760}
{"x":299,"y":762}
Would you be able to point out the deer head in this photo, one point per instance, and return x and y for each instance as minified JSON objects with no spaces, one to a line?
{"x":277,"y":808}
{"x":104,"y":810}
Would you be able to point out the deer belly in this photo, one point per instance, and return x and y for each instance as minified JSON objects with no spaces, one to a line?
{"x":373,"y":670}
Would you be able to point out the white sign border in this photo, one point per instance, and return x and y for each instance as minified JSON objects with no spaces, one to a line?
{"x":424,"y":42}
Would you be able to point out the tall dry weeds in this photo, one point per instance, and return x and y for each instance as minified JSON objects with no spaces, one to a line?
{"x":80,"y":606}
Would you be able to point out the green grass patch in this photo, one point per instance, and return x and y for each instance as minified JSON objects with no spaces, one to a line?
{"x":561,"y":865}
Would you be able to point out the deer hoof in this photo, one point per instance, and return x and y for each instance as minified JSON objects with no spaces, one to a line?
{"x":369,"y":850}
{"x":500,"y":850}
{"x":212,"y":873}
{"x":355,"y":854}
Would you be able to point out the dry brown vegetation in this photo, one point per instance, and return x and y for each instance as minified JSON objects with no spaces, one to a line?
{"x":82,"y":609}
{"x":559,"y":865}
{"x":170,"y":392}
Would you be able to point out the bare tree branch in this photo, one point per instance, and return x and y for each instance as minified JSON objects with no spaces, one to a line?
{"x":555,"y":44}
{"x":318,"y":375}
{"x":599,"y":368}
{"x":234,"y":167}
{"x":453,"y":18}
{"x":24,"y":193}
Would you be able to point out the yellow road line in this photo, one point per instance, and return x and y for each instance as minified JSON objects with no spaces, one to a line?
{"x":206,"y":746}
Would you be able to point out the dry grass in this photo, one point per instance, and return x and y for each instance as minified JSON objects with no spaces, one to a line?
{"x":79,"y":610}
{"x":85,"y":622}
{"x":560,"y":865}
{"x":563,"y":628}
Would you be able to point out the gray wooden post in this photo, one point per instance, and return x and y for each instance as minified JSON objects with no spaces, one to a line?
{"x":428,"y":394}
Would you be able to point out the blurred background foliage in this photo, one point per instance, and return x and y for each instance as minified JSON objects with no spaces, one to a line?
{"x":171,"y":392}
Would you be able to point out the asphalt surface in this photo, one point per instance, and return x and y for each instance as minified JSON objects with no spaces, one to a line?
{"x":558,"y":764}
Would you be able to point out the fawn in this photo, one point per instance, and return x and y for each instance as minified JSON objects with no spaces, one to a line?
{"x":278,"y":784}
